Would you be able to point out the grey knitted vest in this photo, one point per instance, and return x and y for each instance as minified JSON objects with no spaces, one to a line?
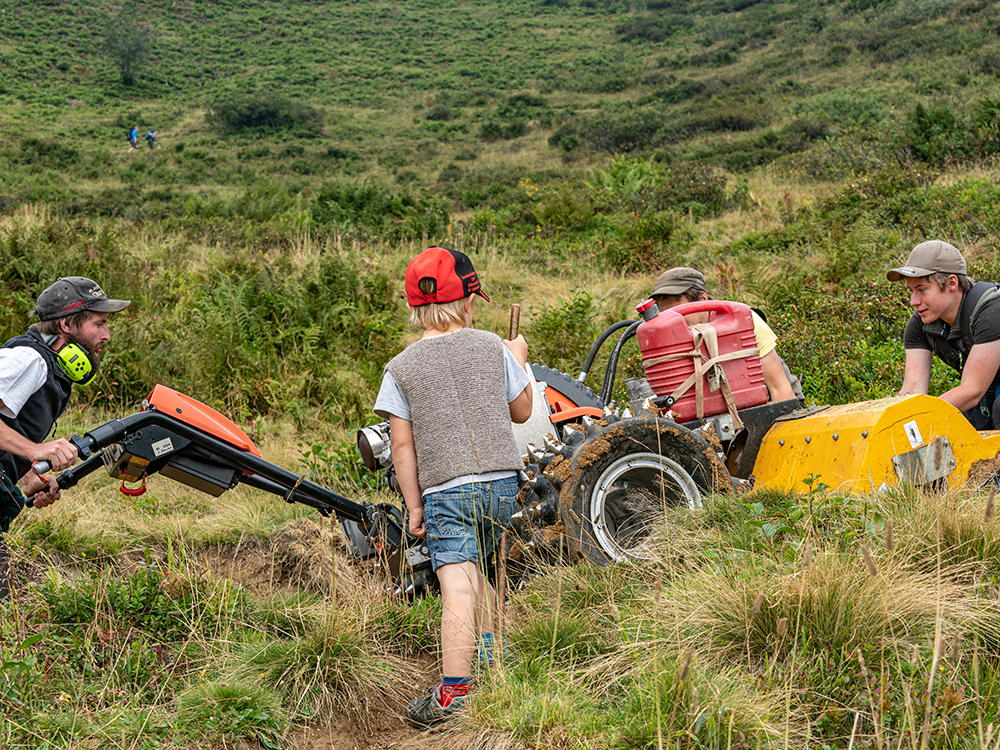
{"x":454,"y":385}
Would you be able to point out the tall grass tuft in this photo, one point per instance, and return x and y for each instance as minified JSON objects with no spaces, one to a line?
{"x":335,"y":666}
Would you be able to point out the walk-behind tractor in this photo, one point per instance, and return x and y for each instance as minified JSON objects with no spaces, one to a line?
{"x":598,"y":474}
{"x":700,"y":423}
{"x":189,"y":442}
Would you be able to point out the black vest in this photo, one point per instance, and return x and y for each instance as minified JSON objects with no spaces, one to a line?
{"x":43,"y":407}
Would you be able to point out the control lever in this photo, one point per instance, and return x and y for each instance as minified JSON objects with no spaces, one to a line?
{"x":40,"y":468}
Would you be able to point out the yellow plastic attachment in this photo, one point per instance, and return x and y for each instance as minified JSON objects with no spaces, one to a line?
{"x":862,"y":447}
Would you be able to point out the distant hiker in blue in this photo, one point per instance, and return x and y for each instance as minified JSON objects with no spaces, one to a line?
{"x":133,"y":138}
{"x":151,"y":138}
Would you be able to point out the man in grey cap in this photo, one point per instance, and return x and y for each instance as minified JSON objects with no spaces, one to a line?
{"x":37,"y":372}
{"x":681,"y":284}
{"x":960,"y":322}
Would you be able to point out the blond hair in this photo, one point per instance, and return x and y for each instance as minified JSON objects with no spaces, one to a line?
{"x":439,"y":316}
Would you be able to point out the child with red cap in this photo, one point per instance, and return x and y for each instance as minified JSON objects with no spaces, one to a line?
{"x":450,"y":398}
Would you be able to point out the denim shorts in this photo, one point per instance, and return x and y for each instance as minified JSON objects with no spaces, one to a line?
{"x":464,"y":523}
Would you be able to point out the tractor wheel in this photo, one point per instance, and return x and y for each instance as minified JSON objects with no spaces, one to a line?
{"x":621,"y":479}
{"x":571,"y":390}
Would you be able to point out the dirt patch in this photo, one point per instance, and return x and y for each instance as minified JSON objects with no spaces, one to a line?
{"x":298,"y":554}
{"x":559,"y":468}
{"x":382,"y":732}
{"x":982,"y":471}
{"x":708,"y":432}
{"x":596,"y":450}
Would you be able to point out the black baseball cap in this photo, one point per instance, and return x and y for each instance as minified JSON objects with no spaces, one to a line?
{"x":73,"y":294}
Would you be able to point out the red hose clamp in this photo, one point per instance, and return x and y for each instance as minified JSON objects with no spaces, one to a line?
{"x":133,"y":491}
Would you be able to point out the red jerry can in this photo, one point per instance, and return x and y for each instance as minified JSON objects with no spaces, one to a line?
{"x":667,"y":343}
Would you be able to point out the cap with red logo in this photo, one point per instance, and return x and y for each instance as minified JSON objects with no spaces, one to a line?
{"x":73,"y":294}
{"x":453,"y":274}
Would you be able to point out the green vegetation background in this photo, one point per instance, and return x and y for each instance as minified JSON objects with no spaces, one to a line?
{"x":793,"y":150}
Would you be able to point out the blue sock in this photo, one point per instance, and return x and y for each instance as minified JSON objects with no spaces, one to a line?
{"x":486,"y":648}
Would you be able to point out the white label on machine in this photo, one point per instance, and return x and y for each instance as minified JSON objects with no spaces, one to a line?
{"x":913,"y":433}
{"x":162,"y":446}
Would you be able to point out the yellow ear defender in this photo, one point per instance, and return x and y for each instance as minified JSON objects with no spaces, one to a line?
{"x":75,"y":363}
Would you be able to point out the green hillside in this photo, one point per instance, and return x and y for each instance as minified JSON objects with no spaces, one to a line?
{"x":790,"y":149}
{"x":445,"y":96}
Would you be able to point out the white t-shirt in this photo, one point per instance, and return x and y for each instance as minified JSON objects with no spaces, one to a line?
{"x":22,"y":372}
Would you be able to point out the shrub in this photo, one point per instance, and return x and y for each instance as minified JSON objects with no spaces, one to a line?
{"x":37,"y":152}
{"x":986,"y":116}
{"x":848,"y":344}
{"x":561,"y":334}
{"x":440,"y":113}
{"x":683,"y":91}
{"x":619,"y":130}
{"x":529,"y":101}
{"x":265,"y":111}
{"x":648,"y":241}
{"x":602,"y":82}
{"x":654,"y":27}
{"x":566,"y":138}
{"x":891,"y":196}
{"x":496,"y":131}
{"x":724,"y":118}
{"x":129,"y":42}
{"x":566,"y":208}
{"x":692,"y":187}
{"x":369,"y":207}
{"x":933,"y":133}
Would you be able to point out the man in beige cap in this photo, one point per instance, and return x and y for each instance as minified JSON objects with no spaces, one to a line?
{"x":960,"y":322}
{"x":681,"y":284}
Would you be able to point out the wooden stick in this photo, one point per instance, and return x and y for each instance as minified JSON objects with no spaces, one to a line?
{"x":515,"y":321}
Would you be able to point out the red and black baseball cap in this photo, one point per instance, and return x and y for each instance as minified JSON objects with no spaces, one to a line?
{"x":73,"y":294}
{"x":452,"y":271}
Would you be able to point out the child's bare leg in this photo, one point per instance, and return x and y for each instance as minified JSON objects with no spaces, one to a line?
{"x":462,"y":599}
{"x":486,"y":611}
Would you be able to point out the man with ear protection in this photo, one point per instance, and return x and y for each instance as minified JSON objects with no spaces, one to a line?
{"x":37,"y":372}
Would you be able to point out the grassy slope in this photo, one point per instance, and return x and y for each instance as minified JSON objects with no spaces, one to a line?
{"x":226,"y":312}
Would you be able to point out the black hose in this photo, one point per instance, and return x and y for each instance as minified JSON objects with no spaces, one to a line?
{"x":609,"y":374}
{"x":597,"y":345}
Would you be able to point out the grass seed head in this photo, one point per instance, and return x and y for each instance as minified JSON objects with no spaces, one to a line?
{"x":869,"y":561}
{"x":687,"y":665}
{"x":782,"y":627}
{"x":988,"y":513}
{"x":888,"y":533}
{"x":757,"y":604}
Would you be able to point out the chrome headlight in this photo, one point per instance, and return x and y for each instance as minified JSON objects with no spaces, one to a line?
{"x":373,"y":445}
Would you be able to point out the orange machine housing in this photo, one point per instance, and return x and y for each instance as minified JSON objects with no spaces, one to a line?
{"x":201,"y":417}
{"x":667,"y":346}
